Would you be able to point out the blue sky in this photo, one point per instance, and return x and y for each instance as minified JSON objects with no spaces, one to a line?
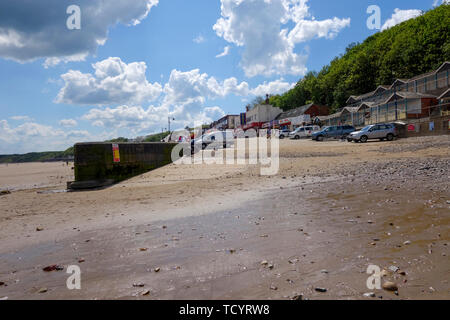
{"x":132,"y":65}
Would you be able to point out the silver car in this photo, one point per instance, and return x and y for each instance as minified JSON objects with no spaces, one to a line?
{"x":303,"y":132}
{"x":383,"y":131}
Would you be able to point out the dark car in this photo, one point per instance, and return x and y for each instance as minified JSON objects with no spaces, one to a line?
{"x":333,"y":132}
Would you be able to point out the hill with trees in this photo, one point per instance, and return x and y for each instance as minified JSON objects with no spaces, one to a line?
{"x":411,"y":48}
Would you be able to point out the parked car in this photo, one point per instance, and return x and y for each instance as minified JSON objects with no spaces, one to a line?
{"x":303,"y":132}
{"x":383,"y":131}
{"x":333,"y":132}
{"x":284,"y":133}
{"x":216,"y":139}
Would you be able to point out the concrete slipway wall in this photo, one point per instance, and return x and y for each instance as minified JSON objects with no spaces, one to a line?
{"x":94,"y":164}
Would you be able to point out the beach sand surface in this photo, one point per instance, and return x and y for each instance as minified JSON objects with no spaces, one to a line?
{"x":225,"y":232}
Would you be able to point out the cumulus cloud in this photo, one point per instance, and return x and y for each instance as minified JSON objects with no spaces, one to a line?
{"x":37,"y":29}
{"x":140,"y":121}
{"x":275,"y":87}
{"x":184,"y":87}
{"x":31,"y":136}
{"x":262,"y":28}
{"x":225,"y":52}
{"x":400,"y":16}
{"x":113,"y":82}
{"x":68,"y":123}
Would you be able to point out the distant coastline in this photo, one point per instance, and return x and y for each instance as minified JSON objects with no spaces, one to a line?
{"x":47,"y":156}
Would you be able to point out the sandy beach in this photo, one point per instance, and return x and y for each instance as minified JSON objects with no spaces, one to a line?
{"x":225,"y":232}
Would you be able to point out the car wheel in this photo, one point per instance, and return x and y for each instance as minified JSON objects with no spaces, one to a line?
{"x":297,"y":137}
{"x":204,"y":145}
{"x":363,"y":139}
{"x":320,"y":138}
{"x":349,"y":140}
{"x":281,"y":136}
{"x":390,"y":137}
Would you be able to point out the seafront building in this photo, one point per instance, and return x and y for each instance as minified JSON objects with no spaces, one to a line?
{"x":420,"y":97}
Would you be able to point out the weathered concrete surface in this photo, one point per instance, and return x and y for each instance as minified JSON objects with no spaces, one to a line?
{"x":94,"y":163}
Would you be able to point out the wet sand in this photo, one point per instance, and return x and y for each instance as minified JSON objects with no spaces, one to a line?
{"x":333,"y":209}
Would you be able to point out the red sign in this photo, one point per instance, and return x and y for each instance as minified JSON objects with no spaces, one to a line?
{"x":284,"y":122}
{"x":116,"y":153}
{"x":411,"y":127}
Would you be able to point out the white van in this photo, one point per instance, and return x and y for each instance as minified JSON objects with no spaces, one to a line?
{"x":303,"y":132}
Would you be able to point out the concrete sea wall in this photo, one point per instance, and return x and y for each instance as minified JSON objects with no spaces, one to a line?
{"x":102,"y":164}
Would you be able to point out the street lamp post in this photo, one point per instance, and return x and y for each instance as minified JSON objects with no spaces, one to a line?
{"x":170,"y":118}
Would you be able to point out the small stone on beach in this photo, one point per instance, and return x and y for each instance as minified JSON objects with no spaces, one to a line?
{"x":390,"y":286}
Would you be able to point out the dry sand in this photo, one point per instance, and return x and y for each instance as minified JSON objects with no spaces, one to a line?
{"x":333,"y":209}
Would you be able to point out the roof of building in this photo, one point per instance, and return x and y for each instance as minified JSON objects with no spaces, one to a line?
{"x":379,"y":89}
{"x":294,"y":112}
{"x":401,"y":81}
{"x":444,"y":66}
{"x":382,"y":88}
{"x":409,"y":95}
{"x":446,"y":94}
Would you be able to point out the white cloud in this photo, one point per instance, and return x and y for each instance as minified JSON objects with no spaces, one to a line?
{"x":400,"y":16}
{"x":275,"y":87}
{"x":21,"y":118}
{"x":137,"y":121}
{"x":185,"y":99}
{"x":225,"y":52}
{"x":199,"y":39}
{"x":184,"y":87}
{"x":113,"y":82}
{"x":37,"y":29}
{"x":68,"y":123}
{"x":31,"y":136}
{"x":261,"y":27}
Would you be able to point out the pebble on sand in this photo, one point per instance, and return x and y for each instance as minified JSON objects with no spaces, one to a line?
{"x":320,"y":289}
{"x":54,"y":267}
{"x":390,"y":286}
{"x":42,"y":290}
{"x":138,"y":285}
{"x":145,"y":293}
{"x":394,"y":268}
{"x":369,"y":295}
